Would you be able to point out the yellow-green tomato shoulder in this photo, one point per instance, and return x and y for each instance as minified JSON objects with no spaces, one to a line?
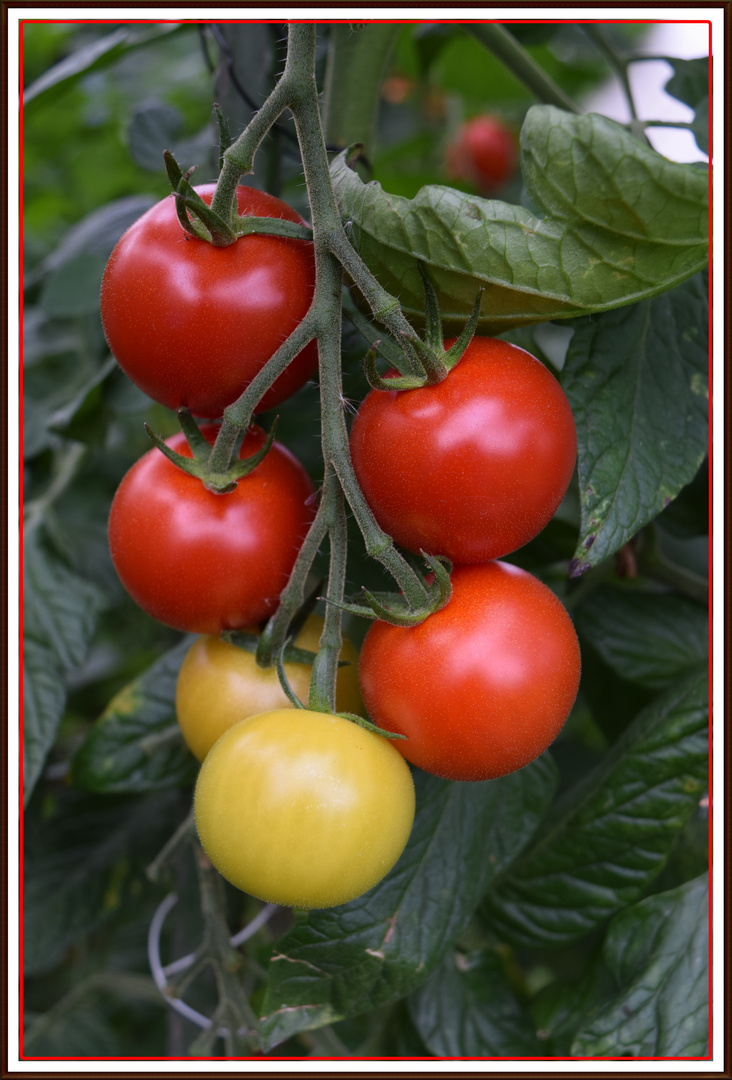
{"x":303,"y":809}
{"x":220,"y":684}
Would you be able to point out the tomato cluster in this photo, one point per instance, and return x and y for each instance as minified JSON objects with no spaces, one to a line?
{"x":296,"y":806}
{"x":471,"y":469}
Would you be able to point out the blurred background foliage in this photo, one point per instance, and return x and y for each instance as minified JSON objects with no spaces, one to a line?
{"x":103,"y":101}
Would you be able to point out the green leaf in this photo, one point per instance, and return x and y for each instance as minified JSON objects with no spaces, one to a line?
{"x":620,"y":224}
{"x":647,"y":638}
{"x":136,"y":744}
{"x":83,"y":864}
{"x":637,"y":383}
{"x":95,"y":234}
{"x":44,"y":698}
{"x":153,"y":127}
{"x":99,"y":54}
{"x":59,"y":616}
{"x":657,"y":952}
{"x":468,"y":1008}
{"x":74,"y":288}
{"x":356,"y":66}
{"x":690,"y":84}
{"x":356,"y":957}
{"x":608,"y":837}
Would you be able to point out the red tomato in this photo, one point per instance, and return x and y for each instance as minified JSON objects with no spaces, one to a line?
{"x":483,"y":153}
{"x":473,"y":467}
{"x":203,"y":562}
{"x":192,"y":324}
{"x":483,"y":686}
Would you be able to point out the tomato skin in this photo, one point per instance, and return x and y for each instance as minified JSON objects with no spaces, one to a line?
{"x":483,"y":153}
{"x":473,"y":467}
{"x":192,"y":324}
{"x":202,"y":562}
{"x":219,"y":684}
{"x":482,"y":687}
{"x":303,"y":809}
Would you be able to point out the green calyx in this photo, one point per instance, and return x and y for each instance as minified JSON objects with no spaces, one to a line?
{"x":393,"y":608}
{"x":368,"y":726}
{"x":291,"y":654}
{"x":433,"y":360}
{"x":199,"y":220}
{"x":219,"y":482}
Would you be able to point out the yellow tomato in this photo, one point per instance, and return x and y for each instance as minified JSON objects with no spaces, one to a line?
{"x":220,"y":684}
{"x":303,"y":809}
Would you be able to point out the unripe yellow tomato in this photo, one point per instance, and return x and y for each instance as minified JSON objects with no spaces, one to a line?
{"x":303,"y":809}
{"x":219,"y":684}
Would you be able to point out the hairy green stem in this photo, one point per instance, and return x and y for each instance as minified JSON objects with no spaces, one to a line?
{"x":297,"y":91}
{"x":239,"y":157}
{"x":234,"y":1008}
{"x":293,"y":595}
{"x":616,"y":62}
{"x":238,"y":415}
{"x":504,"y":45}
{"x":384,"y":307}
{"x":322,"y":696}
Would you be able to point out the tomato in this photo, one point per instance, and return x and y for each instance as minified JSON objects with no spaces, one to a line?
{"x":483,"y":153}
{"x":483,"y":686}
{"x":473,"y":467}
{"x":219,"y":684}
{"x":192,"y":324}
{"x":203,"y":562}
{"x":303,"y":809}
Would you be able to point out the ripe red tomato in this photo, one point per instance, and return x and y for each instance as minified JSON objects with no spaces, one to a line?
{"x":483,"y":153}
{"x":473,"y":467}
{"x":192,"y":324}
{"x":483,"y":686}
{"x":203,"y":562}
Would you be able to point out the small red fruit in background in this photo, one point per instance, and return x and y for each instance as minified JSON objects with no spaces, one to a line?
{"x":483,"y":153}
{"x":482,"y":687}
{"x":192,"y":324}
{"x":202,"y":562}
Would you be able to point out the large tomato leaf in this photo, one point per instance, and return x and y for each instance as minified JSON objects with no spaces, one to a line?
{"x":614,"y":223}
{"x":608,"y":837}
{"x":85,"y":860}
{"x":637,"y":383}
{"x":60,"y":610}
{"x":690,"y":83}
{"x":136,"y":744}
{"x":93,"y":57}
{"x":361,"y":955}
{"x":656,"y":954}
{"x":468,"y":1008}
{"x":646,"y":637}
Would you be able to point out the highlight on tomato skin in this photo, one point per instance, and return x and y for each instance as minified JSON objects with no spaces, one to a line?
{"x":192,"y":324}
{"x":202,"y":562}
{"x":219,"y":684}
{"x":482,"y":687}
{"x":473,"y":467}
{"x":302,"y":808}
